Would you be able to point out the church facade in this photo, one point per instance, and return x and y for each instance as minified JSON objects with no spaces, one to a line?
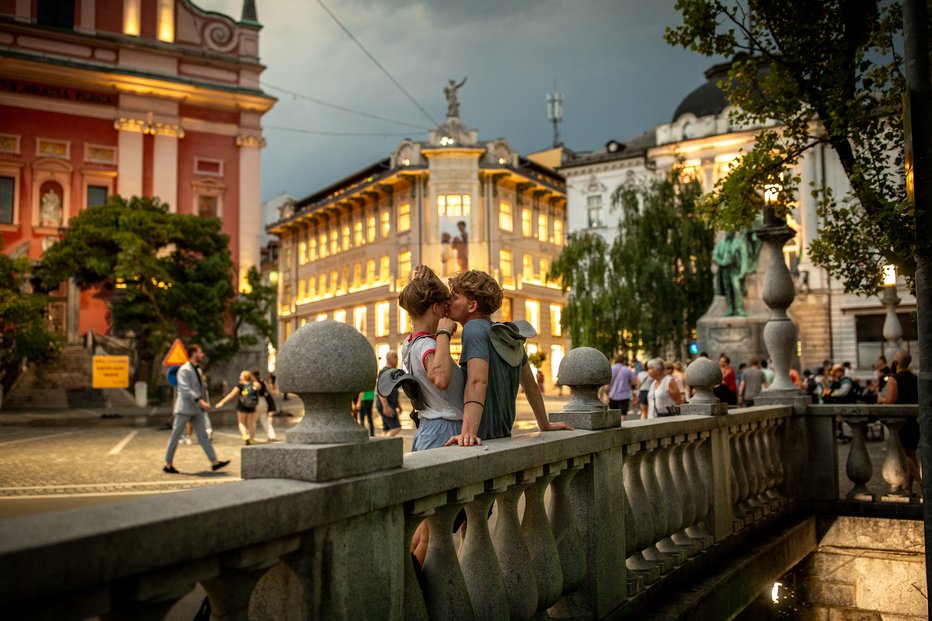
{"x":131,"y":97}
{"x":700,"y":138}
{"x":451,"y":202}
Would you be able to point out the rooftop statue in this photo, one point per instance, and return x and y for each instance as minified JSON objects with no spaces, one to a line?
{"x":453,"y":104}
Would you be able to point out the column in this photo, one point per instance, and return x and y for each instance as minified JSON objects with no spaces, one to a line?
{"x":165,"y":164}
{"x":250,"y":216}
{"x":129,"y":156}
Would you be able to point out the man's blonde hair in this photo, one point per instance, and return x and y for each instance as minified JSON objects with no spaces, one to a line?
{"x":479,"y":287}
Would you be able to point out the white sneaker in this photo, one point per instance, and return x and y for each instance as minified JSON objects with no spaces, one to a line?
{"x":186,"y":440}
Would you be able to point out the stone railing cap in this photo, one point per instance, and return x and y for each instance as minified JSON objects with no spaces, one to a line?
{"x":326,"y":357}
{"x":584,"y":366}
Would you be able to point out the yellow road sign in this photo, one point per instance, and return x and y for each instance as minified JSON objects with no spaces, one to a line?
{"x":176,"y":355}
{"x":111,"y":372}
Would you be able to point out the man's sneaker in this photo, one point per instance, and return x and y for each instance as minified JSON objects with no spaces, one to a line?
{"x":171,"y":469}
{"x":186,"y":440}
{"x":220,"y":464}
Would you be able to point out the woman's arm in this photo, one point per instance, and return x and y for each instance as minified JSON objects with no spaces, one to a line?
{"x":893,"y":392}
{"x":229,"y":396}
{"x":439,"y":366}
{"x":674,"y":391}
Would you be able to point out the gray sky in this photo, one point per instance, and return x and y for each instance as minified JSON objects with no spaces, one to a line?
{"x":608,"y":58}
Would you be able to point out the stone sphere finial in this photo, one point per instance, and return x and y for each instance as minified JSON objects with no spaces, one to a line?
{"x":584,"y":370}
{"x":326,"y":363}
{"x":703,"y":375}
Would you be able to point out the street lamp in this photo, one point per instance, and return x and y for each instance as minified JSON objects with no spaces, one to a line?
{"x":892,"y":329}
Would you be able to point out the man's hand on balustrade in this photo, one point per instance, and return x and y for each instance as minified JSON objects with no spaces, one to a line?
{"x":464,"y":439}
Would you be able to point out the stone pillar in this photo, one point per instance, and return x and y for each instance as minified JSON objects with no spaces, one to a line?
{"x":892,"y":328}
{"x":584,"y":370}
{"x":326,"y":364}
{"x":780,"y":332}
{"x":703,"y":375}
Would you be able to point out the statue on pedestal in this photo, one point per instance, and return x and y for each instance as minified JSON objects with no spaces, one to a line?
{"x":736,"y":258}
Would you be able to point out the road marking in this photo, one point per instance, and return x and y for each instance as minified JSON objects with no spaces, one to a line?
{"x":45,"y":437}
{"x":122,"y":444}
{"x":76,"y":486}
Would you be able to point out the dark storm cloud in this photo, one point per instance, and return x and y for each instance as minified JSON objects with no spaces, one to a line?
{"x":607,"y":57}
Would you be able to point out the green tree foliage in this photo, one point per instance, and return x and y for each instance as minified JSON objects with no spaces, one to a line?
{"x":24,"y":331}
{"x":828,"y":73}
{"x":165,"y":275}
{"x":649,"y":288}
{"x":252,"y":316}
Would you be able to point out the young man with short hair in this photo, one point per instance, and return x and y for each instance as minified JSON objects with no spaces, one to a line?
{"x":491,"y":383}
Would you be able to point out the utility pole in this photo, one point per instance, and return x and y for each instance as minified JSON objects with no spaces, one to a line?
{"x":916,"y":119}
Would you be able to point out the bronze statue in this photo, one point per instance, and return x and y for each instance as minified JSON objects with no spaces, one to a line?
{"x":453,"y":104}
{"x":733,"y":260}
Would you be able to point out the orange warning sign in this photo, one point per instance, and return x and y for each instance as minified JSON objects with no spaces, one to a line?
{"x":176,"y":355}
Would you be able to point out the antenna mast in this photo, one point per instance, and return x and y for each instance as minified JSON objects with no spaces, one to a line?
{"x":555,"y":114}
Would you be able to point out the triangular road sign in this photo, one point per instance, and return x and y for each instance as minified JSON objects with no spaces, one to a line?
{"x":176,"y":355}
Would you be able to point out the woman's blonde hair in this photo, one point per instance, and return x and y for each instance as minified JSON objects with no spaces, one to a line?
{"x":423,"y":291}
{"x":246,"y":377}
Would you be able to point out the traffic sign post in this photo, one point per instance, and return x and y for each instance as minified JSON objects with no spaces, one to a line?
{"x":176,"y":355}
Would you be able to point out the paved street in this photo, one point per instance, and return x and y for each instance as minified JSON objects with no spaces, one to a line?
{"x":51,"y":461}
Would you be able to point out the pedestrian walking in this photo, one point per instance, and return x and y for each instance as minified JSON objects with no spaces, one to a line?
{"x":265,"y":395}
{"x":247,"y":394}
{"x":190,"y":404}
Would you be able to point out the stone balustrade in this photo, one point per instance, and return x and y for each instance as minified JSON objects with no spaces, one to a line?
{"x":603,"y":520}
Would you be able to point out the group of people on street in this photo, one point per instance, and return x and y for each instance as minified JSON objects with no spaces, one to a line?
{"x":659,"y":387}
{"x":192,"y":403}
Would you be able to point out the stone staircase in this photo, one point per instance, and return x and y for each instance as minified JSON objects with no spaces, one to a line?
{"x":63,"y":383}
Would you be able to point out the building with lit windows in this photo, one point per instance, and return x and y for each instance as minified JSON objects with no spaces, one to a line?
{"x":702,"y":140}
{"x":130,"y":97}
{"x":451,"y":202}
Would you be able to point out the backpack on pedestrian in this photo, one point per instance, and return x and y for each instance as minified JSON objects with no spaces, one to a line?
{"x":248,"y":396}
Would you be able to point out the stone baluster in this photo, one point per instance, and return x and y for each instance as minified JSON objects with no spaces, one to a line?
{"x":895,"y":469}
{"x":673,"y":502}
{"x":657,"y":500}
{"x":565,"y":530}
{"x":643,"y":516}
{"x":149,"y":596}
{"x":478,"y":560}
{"x":697,"y":482}
{"x":513,"y":555}
{"x":241,"y":570}
{"x":635,"y":583}
{"x":767,"y":467}
{"x":687,"y":496}
{"x":416,"y":512}
{"x":538,"y":535}
{"x":858,"y":467}
{"x":740,"y":480}
{"x":754,"y":470}
{"x":569,"y":541}
{"x":445,"y":593}
{"x":772,"y":441}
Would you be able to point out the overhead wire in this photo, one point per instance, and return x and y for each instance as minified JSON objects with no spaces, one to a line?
{"x":377,"y":63}
{"x":332,"y":133}
{"x":334,"y":106}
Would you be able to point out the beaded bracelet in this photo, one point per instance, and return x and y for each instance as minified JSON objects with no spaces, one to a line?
{"x":444,"y":331}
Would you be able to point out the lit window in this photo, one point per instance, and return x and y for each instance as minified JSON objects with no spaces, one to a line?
{"x":357,"y":275}
{"x":382,"y":311}
{"x":526,"y":222}
{"x":532,"y":313}
{"x":542,"y":229}
{"x":357,"y":233}
{"x":340,"y":316}
{"x":556,"y":312}
{"x":370,"y":229}
{"x":286,"y":256}
{"x":286,"y":298}
{"x":386,"y":223}
{"x":301,"y":291}
{"x":344,"y":280}
{"x":504,"y":262}
{"x":556,"y":357}
{"x":544,"y":268}
{"x":404,"y":324}
{"x":506,"y":309}
{"x":302,"y":253}
{"x":346,"y":237}
{"x":527,"y":267}
{"x":321,"y":316}
{"x":381,"y":350}
{"x":454,"y":205}
{"x":384,"y":267}
{"x":334,"y":241}
{"x":594,"y":207}
{"x":505,"y":219}
{"x":370,"y":271}
{"x":557,"y":230}
{"x":359,"y":319}
{"x":333,"y":281}
{"x":404,"y":264}
{"x":312,"y":249}
{"x":323,"y":246}
{"x":322,"y":284}
{"x":404,"y":217}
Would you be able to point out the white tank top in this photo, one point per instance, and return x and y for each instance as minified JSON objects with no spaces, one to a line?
{"x":447,"y":403}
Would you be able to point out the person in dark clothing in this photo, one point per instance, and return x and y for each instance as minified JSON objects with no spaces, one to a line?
{"x":903,"y":387}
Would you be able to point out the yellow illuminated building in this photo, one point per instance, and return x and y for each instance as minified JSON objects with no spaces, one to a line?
{"x":450,"y":202}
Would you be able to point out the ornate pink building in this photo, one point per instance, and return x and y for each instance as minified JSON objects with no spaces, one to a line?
{"x":130,"y":97}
